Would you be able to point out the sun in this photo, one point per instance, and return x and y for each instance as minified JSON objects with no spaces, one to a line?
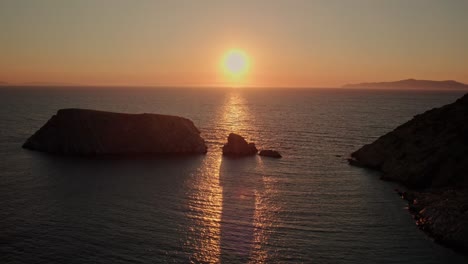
{"x":236,"y":63}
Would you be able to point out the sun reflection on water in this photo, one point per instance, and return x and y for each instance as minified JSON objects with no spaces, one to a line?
{"x":228,"y":200}
{"x":236,"y":115}
{"x":205,"y":206}
{"x":264,"y":216}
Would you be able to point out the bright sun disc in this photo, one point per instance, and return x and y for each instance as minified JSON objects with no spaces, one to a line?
{"x":236,"y":62}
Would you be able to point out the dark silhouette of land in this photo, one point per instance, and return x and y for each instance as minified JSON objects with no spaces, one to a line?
{"x":429,"y":154}
{"x":411,"y":84}
{"x":270,"y":153}
{"x":48,"y":84}
{"x":91,"y":132}
{"x":237,"y":146}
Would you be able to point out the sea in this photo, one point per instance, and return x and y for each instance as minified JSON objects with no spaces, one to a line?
{"x":310,"y":206}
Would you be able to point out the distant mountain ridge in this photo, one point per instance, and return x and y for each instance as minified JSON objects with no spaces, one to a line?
{"x":47,"y":84}
{"x":2,"y":83}
{"x":410,"y":84}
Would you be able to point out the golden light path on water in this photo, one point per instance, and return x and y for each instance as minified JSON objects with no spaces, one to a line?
{"x":229,"y":202}
{"x":205,"y":205}
{"x":236,"y":116}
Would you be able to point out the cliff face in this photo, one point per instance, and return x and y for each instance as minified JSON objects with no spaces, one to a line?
{"x":90,"y":132}
{"x":429,"y":153}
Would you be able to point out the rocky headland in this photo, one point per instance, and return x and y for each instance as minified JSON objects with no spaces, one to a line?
{"x":91,"y":132}
{"x":429,"y":155}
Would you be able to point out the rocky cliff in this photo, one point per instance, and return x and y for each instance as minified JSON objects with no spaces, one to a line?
{"x":90,"y":132}
{"x":429,"y":153}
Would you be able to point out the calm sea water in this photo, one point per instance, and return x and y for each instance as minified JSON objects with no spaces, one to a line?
{"x":310,"y":206}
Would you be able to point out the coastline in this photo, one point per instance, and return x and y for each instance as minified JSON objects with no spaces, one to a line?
{"x":441,"y":214}
{"x":428,"y":155}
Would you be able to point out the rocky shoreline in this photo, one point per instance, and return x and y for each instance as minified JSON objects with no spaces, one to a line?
{"x":442,"y":214}
{"x":429,"y":155}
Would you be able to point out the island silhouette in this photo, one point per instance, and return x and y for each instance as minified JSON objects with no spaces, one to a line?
{"x":411,"y":84}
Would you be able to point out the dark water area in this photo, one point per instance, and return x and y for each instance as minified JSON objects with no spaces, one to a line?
{"x":308,"y":207}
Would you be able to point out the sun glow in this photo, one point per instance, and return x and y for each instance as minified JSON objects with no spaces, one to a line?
{"x":236,"y":65}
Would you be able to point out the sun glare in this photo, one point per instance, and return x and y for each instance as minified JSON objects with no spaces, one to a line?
{"x":236,"y":63}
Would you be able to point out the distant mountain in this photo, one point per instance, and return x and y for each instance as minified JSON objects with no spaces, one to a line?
{"x":411,"y":84}
{"x":3,"y":83}
{"x":47,"y":84}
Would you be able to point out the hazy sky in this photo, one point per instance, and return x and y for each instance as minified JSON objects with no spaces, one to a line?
{"x":289,"y":42}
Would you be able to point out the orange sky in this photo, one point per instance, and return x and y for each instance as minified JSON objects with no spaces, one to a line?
{"x":297,"y":43}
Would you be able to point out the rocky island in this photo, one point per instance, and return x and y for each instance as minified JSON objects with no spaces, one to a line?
{"x":237,"y":146}
{"x":270,"y":153}
{"x":429,"y":155}
{"x":91,"y":132}
{"x":409,"y":84}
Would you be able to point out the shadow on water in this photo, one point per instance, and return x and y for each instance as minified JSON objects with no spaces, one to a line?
{"x":113,"y":175}
{"x":80,"y":209}
{"x":240,"y":185}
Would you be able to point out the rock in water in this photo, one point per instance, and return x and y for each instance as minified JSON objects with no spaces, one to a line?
{"x":429,"y":153}
{"x":270,"y":153}
{"x":91,"y":132}
{"x":238,"y":146}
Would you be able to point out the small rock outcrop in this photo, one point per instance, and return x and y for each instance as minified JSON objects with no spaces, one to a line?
{"x":237,"y":146}
{"x":91,"y":132}
{"x":429,"y":153}
{"x":270,"y":153}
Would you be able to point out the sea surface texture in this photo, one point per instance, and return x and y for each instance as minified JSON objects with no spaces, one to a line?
{"x":308,"y":207}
